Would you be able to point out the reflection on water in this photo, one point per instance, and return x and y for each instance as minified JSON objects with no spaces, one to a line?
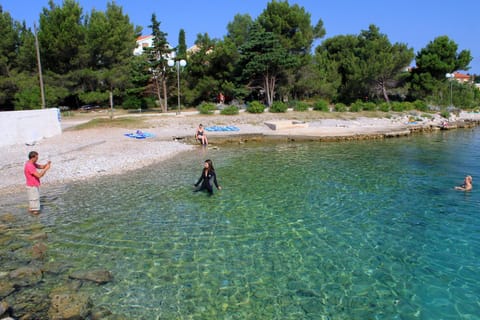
{"x":351,"y":230}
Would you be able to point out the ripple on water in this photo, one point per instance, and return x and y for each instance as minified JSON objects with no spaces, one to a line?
{"x":353,"y":230}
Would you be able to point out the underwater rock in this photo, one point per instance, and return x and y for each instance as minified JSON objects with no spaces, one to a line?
{"x":25,"y":276}
{"x":38,"y":236}
{"x":3,"y":307}
{"x":6,"y":288}
{"x":99,"y":276}
{"x":38,"y":250}
{"x":70,"y":306}
{"x":7,"y":217}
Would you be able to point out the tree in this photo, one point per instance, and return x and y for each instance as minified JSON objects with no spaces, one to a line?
{"x":182,"y":45}
{"x":369,"y":65}
{"x":264,"y":61}
{"x":61,"y":35}
{"x":110,"y":40}
{"x":158,"y":57}
{"x":291,"y":24}
{"x":439,"y":57}
{"x":238,"y":29}
{"x":382,"y":64}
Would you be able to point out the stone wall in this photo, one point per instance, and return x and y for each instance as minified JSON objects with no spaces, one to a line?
{"x":28,"y":126}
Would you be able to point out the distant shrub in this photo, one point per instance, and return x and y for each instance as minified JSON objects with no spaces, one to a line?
{"x":445,"y":114}
{"x":149,"y":103}
{"x":230,"y":110}
{"x":420,"y":105}
{"x":321,"y":105}
{"x":398,"y":106}
{"x":301,"y":106}
{"x":384,"y":107}
{"x":340,"y":107}
{"x":255,"y":107}
{"x":357,"y":106}
{"x":206,"y":108}
{"x":369,"y":106}
{"x":278,"y":106}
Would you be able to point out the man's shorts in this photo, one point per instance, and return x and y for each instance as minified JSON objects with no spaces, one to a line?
{"x":33,"y":198}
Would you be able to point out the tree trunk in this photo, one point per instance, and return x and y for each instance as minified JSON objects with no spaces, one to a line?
{"x":165,"y":104}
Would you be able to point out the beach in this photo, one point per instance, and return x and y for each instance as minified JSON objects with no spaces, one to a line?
{"x":79,"y":154}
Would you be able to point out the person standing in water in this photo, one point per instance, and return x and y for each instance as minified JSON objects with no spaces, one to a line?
{"x":32,"y":176}
{"x":208,"y":175}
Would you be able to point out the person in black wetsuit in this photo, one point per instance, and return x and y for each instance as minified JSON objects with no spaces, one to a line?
{"x":205,"y":180}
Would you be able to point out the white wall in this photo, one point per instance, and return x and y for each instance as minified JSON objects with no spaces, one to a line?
{"x":29,"y":126}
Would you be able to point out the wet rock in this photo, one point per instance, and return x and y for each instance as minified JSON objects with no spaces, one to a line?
{"x":99,"y":276}
{"x":70,"y":306}
{"x":3,"y":307}
{"x":55,"y":268}
{"x":39,"y":250}
{"x":6,"y":288}
{"x":25,"y":276}
{"x":101,"y":313}
{"x":38,"y":236}
{"x":29,"y":304}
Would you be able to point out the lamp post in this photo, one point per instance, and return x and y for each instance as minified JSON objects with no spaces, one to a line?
{"x":178,"y":64}
{"x":450,"y":76}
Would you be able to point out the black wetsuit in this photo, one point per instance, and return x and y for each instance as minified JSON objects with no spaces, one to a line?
{"x":206,"y":181}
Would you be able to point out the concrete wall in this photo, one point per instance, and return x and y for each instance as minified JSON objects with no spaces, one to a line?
{"x":29,"y":126}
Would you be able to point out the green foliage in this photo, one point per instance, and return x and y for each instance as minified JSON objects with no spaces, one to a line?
{"x":357,"y":106}
{"x":94,"y":97}
{"x":384,"y":107}
{"x":445,"y":114}
{"x":321,"y":105}
{"x":398,"y":106}
{"x":255,"y":107}
{"x":207,"y":108}
{"x":278,"y":107}
{"x":264,"y":60}
{"x":340,"y":107}
{"x":300,"y":106}
{"x":230,"y":110}
{"x":420,"y":105}
{"x":132,"y":102}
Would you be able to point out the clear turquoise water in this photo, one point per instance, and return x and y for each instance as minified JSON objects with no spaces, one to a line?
{"x":350,"y":230}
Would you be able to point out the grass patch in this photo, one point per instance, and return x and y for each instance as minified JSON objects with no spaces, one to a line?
{"x":123,"y":122}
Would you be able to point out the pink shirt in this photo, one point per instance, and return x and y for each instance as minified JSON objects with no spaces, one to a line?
{"x":30,"y":168}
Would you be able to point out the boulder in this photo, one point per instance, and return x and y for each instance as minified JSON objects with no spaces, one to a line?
{"x":39,"y":250}
{"x":3,"y":307}
{"x":25,"y":276}
{"x":38,"y":236}
{"x":70,"y":306}
{"x":99,"y":276}
{"x":6,"y":288}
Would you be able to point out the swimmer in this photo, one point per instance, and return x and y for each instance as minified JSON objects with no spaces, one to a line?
{"x":467,"y":184}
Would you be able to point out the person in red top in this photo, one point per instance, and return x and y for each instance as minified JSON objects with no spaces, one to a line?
{"x":32,"y":176}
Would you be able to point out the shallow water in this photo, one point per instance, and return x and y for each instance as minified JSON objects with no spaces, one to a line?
{"x":350,"y":230}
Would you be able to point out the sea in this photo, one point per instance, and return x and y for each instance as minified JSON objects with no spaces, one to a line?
{"x":370,"y":229}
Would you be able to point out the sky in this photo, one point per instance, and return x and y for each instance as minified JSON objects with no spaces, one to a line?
{"x":413,"y":22}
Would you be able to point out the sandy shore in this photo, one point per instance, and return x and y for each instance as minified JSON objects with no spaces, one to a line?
{"x":82,"y":154}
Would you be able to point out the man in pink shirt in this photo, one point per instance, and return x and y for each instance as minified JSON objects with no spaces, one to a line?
{"x":33,"y":176}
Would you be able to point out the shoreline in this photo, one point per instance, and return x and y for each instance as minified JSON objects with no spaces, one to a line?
{"x":78,"y":155}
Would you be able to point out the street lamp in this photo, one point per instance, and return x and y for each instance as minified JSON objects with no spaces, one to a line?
{"x":178,"y":64}
{"x":450,"y":76}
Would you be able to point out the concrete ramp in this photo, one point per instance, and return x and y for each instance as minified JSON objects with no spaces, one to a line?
{"x":286,"y":124}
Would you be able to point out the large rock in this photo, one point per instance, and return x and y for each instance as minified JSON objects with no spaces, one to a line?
{"x":39,"y":250}
{"x":6,"y":288}
{"x":3,"y":307}
{"x":70,"y":307}
{"x":25,"y":276}
{"x":99,"y":276}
